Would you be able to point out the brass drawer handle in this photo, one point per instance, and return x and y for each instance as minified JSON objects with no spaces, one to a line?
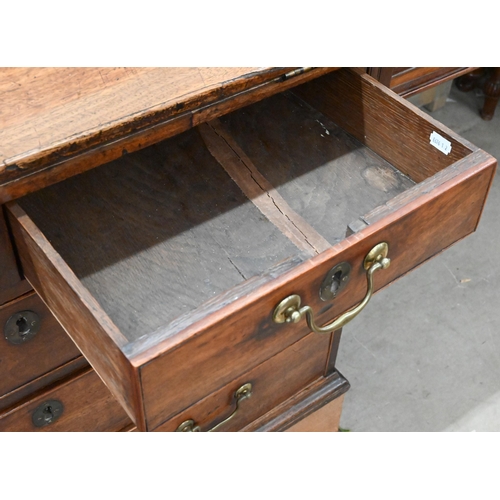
{"x":289,"y":310}
{"x":244,"y":392}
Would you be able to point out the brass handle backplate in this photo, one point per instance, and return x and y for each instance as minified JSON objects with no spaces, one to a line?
{"x":289,"y":310}
{"x":244,"y":392}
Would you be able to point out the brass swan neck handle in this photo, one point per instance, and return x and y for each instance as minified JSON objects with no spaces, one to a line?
{"x":289,"y":310}
{"x":244,"y":392}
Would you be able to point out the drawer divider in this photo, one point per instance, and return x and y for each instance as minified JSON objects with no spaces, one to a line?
{"x":259,"y":190}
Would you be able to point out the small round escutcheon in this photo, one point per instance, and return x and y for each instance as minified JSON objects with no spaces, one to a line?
{"x":47,"y":413}
{"x":21,"y":327}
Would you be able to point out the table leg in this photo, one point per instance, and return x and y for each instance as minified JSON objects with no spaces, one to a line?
{"x":491,"y":91}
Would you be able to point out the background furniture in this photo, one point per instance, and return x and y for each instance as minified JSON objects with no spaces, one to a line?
{"x":430,"y":86}
{"x":425,"y":86}
{"x":488,"y":81}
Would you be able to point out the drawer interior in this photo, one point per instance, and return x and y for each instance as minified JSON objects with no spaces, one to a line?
{"x":197,"y":219}
{"x":165,"y":265}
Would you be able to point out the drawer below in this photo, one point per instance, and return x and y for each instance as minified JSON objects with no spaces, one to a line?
{"x":82,"y":404}
{"x":272,"y":382}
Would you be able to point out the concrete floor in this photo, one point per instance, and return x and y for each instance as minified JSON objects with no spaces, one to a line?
{"x":425,"y":354}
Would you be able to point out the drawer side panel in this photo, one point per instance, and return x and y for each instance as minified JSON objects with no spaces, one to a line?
{"x":77,"y":312}
{"x":395,"y":129}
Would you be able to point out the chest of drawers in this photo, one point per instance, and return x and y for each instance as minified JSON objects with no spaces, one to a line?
{"x":206,"y":268}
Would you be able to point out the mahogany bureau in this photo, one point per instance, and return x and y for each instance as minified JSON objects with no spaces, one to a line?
{"x":181,"y":248}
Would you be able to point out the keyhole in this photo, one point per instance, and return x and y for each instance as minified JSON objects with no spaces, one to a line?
{"x":336,"y":282}
{"x":23,"y":326}
{"x":48,"y":414}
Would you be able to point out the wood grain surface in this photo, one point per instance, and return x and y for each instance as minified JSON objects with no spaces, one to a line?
{"x":325,"y":419}
{"x":393,"y":128}
{"x":78,"y":313}
{"x":409,"y":81}
{"x":41,"y":384}
{"x":414,"y":233}
{"x":42,"y":107}
{"x":58,"y":122}
{"x":257,"y":188}
{"x":322,"y":173}
{"x":167,"y":219}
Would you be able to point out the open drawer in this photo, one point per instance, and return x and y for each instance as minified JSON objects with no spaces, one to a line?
{"x":166,"y":266}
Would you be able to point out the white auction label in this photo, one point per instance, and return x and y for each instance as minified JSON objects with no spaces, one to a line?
{"x":439,"y":142}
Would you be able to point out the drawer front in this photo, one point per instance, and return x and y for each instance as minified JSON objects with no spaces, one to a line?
{"x":272,"y":382}
{"x":32,"y":344}
{"x":160,"y":373}
{"x":82,"y":404}
{"x":57,"y":376}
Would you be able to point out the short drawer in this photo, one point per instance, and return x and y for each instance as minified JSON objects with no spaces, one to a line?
{"x":82,"y":404}
{"x":32,"y":343}
{"x":166,"y":266}
{"x":266,"y":386}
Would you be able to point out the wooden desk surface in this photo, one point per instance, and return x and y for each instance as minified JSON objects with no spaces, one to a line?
{"x":43,"y":108}
{"x":51,"y":115}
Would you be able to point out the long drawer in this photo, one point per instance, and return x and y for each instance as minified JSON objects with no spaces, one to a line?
{"x":180,"y":267}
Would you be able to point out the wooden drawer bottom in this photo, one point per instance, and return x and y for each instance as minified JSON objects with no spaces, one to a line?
{"x":82,"y":404}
